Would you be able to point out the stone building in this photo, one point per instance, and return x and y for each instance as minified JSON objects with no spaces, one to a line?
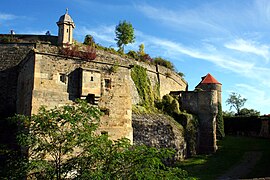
{"x":34,"y":73}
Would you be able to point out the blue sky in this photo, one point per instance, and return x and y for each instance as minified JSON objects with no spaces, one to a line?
{"x":227,"y":38}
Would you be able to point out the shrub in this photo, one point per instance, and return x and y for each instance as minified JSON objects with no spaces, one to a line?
{"x":85,"y":52}
{"x":146,"y":58}
{"x":164,"y":62}
{"x":133,"y":55}
{"x":52,"y":136}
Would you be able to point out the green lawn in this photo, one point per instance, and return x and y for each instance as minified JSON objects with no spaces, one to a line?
{"x":231,"y":150}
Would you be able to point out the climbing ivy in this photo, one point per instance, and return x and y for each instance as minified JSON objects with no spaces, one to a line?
{"x":220,"y":123}
{"x":143,"y":85}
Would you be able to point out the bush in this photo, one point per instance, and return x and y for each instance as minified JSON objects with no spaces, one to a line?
{"x":85,"y":52}
{"x":133,"y":55}
{"x":63,"y":144}
{"x":164,"y":62}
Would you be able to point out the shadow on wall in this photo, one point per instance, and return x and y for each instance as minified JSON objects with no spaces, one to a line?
{"x":74,"y":79}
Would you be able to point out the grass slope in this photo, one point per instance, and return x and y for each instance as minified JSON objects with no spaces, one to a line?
{"x":230,"y":152}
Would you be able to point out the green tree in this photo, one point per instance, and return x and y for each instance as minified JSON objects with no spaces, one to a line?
{"x":236,"y":101}
{"x":220,"y":123}
{"x":63,"y":143}
{"x":124,"y":34}
{"x":89,"y":40}
{"x":141,"y":50}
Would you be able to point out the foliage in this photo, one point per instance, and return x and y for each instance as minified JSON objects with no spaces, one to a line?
{"x":248,"y":112}
{"x":236,"y":101}
{"x":141,"y":50}
{"x":85,"y":52}
{"x":170,"y":105}
{"x":164,"y":62}
{"x":146,"y":58}
{"x":143,"y":85}
{"x":181,"y":74}
{"x":220,"y":123}
{"x":133,"y":54}
{"x":228,"y":114}
{"x":89,"y":40}
{"x":124,"y":34}
{"x":63,"y":143}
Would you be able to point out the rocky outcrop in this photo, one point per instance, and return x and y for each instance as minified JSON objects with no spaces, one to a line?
{"x":159,"y":131}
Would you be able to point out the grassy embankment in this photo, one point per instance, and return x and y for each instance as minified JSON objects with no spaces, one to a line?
{"x":230,"y":152}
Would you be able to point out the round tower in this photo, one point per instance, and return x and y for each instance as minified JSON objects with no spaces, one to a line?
{"x":209,"y":83}
{"x":65,"y":29}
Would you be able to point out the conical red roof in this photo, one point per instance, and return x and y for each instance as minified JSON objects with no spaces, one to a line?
{"x":209,"y":79}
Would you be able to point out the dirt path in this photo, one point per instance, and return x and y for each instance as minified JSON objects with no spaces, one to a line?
{"x":244,"y":167}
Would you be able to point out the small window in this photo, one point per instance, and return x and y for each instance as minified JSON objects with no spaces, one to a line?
{"x":107,"y":83}
{"x":67,"y":30}
{"x":92,"y":78}
{"x":63,"y":78}
{"x":104,"y":133}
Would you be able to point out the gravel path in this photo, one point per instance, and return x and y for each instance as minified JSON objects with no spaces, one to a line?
{"x":244,"y":167}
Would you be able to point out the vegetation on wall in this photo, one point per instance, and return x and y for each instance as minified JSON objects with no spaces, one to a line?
{"x":63,"y":144}
{"x":220,"y":123}
{"x":170,"y":106}
{"x":143,"y":85}
{"x":163,"y":62}
{"x":84,"y":52}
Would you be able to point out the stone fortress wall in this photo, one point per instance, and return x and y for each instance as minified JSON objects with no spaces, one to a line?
{"x":34,"y":74}
{"x":37,"y":82}
{"x":40,"y":76}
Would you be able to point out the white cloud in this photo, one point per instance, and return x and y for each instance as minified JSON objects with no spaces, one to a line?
{"x":4,"y":16}
{"x":249,"y":47}
{"x":199,"y":18}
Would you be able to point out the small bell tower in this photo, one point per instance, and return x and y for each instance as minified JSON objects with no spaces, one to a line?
{"x":65,"y":29}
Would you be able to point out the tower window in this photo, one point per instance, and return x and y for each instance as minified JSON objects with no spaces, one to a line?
{"x":92,"y":78}
{"x":67,"y":30}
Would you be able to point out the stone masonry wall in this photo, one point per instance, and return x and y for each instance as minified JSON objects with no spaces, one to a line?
{"x":49,"y":90}
{"x":10,"y":56}
{"x":160,"y":131}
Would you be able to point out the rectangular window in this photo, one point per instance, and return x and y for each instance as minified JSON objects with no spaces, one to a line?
{"x":63,"y":78}
{"x":107,"y":83}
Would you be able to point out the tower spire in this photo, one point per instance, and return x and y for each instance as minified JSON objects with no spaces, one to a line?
{"x":66,"y":10}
